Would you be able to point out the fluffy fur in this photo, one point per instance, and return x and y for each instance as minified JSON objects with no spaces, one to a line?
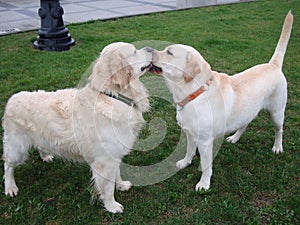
{"x":82,"y":125}
{"x":229,"y":103}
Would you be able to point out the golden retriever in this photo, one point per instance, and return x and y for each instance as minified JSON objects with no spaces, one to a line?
{"x":96,"y":124}
{"x":211,"y":104}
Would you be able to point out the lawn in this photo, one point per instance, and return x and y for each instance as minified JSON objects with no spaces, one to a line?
{"x":250,"y":184}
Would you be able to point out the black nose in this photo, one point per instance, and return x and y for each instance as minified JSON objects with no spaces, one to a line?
{"x":149,"y":49}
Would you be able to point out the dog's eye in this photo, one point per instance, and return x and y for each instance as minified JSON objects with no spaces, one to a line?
{"x":169,"y":53}
{"x":134,"y":51}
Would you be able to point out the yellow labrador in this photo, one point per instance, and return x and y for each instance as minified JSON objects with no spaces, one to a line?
{"x":96,"y":124}
{"x":211,"y":104}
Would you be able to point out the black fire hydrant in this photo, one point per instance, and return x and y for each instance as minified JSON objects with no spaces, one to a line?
{"x":53,"y":35}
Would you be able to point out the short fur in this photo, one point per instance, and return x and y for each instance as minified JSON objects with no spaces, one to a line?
{"x":229,"y":104}
{"x":82,"y":125}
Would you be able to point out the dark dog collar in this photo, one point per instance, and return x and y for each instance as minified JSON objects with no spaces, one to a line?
{"x":121,"y":98}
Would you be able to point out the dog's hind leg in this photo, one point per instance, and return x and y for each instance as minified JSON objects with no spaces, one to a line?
{"x":278,"y":120}
{"x":15,"y":151}
{"x":190,"y":152}
{"x":104,"y":177}
{"x":237,"y":135}
{"x":120,"y":184}
{"x":276,"y":109}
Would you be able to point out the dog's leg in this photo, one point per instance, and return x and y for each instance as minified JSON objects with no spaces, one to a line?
{"x":278,"y":119}
{"x":120,"y":184}
{"x":10,"y":185}
{"x":206,"y":156}
{"x":190,"y":152}
{"x":104,"y":177}
{"x":237,"y":135}
{"x":15,"y":151}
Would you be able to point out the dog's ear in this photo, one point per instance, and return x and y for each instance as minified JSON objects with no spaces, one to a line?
{"x":121,"y":72}
{"x":95,"y":77}
{"x":191,"y":69}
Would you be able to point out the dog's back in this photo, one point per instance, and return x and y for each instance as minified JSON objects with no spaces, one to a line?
{"x":263,"y":86}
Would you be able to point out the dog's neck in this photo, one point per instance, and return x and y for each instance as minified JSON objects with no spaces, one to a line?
{"x":134,"y":95}
{"x":182,"y":90}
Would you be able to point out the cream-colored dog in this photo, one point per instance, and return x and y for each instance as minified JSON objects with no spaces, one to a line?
{"x":211,"y":104}
{"x":96,"y":124}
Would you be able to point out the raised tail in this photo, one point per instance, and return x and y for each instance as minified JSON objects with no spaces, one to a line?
{"x":278,"y":56}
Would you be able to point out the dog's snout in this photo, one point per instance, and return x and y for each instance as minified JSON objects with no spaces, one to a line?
{"x":149,"y":49}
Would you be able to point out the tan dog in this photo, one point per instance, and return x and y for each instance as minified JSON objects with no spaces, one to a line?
{"x":97,"y":124}
{"x":211,"y":104}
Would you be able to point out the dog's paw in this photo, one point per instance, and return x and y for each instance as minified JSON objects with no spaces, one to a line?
{"x":124,"y":186}
{"x":202,"y":186}
{"x":182,"y":164}
{"x":277,"y":150}
{"x":232,"y":139}
{"x":114,"y":207}
{"x":11,"y":190}
{"x":48,"y":158}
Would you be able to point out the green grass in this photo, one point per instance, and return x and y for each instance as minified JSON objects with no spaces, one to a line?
{"x":250,"y":184}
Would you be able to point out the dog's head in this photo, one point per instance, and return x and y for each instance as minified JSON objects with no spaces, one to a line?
{"x":118,"y":64}
{"x":179,"y":63}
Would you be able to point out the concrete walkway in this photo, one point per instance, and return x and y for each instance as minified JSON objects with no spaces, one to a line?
{"x":21,"y":15}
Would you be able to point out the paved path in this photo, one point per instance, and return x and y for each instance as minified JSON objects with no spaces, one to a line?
{"x":21,"y":15}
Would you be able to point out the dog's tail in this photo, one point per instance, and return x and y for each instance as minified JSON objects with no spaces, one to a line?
{"x":278,"y":56}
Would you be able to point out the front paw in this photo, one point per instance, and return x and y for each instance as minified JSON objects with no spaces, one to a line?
{"x":182,"y":164}
{"x":114,"y":207}
{"x":11,"y":190}
{"x":202,"y":186}
{"x":232,"y":139}
{"x":124,"y":186}
{"x":277,"y":149}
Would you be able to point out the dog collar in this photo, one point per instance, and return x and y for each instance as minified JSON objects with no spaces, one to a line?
{"x":121,"y":98}
{"x":195,"y":94}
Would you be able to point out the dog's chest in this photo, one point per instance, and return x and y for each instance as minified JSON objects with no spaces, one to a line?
{"x":194,"y":119}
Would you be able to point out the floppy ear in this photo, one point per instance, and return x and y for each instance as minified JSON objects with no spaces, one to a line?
{"x":95,"y":77}
{"x":122,"y":72}
{"x":191,"y":69}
